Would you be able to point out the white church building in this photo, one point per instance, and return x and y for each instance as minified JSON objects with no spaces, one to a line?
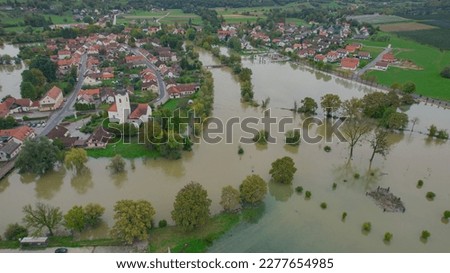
{"x":121,"y":111}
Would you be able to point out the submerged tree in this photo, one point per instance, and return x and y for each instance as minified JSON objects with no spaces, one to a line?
{"x":230,"y":199}
{"x":133,"y":220}
{"x":283,"y":170}
{"x":354,"y":129}
{"x":76,"y":158}
{"x":42,"y":216}
{"x":37,"y":156}
{"x":191,"y":207}
{"x":379,"y":144}
{"x":253,"y":189}
{"x":330,"y":103}
{"x":117,"y":164}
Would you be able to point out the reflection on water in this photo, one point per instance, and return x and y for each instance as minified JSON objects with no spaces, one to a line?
{"x":100,"y":231}
{"x":280,"y":192}
{"x":50,"y":184}
{"x":82,"y":181}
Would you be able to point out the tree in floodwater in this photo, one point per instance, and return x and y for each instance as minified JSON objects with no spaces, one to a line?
{"x":379,"y":144}
{"x":330,"y":103}
{"x":354,"y":129}
{"x":230,"y":199}
{"x":42,"y":216}
{"x":75,"y":158}
{"x":117,"y":164}
{"x":37,"y":156}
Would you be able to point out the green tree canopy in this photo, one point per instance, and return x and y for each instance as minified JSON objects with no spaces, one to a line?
{"x":283,"y":170}
{"x":133,"y":220}
{"x":74,"y":219}
{"x":330,"y":103}
{"x":230,"y":199}
{"x":191,"y":207}
{"x":117,"y":164}
{"x":253,"y":189}
{"x":42,"y":216}
{"x":309,"y":106}
{"x":92,"y":214}
{"x":46,"y":66}
{"x":76,"y":158}
{"x":37,"y":156}
{"x":28,"y":91}
{"x":15,"y":232}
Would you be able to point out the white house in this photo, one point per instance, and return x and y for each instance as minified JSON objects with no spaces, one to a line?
{"x":52,"y":100}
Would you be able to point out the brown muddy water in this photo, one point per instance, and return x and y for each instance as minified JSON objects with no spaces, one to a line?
{"x":10,"y":75}
{"x":287,"y":222}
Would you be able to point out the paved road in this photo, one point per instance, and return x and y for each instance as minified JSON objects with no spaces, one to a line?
{"x":363,"y":70}
{"x":163,"y":95}
{"x":68,"y":108}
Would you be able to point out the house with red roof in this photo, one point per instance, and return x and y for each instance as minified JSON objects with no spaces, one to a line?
{"x":332,"y":56}
{"x":382,"y":66}
{"x":320,"y":58}
{"x":18,"y":134}
{"x":121,"y":111}
{"x":52,"y":100}
{"x":182,"y":90}
{"x":63,"y":54}
{"x":349,"y":63}
{"x":389,"y":58}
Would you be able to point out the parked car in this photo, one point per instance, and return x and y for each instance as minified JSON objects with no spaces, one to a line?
{"x":61,"y":250}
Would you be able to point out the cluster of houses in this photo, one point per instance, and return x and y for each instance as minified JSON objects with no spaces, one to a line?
{"x":315,"y":42}
{"x":52,"y":100}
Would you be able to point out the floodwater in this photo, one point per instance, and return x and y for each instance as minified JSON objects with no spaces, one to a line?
{"x":286,"y":222}
{"x":10,"y":75}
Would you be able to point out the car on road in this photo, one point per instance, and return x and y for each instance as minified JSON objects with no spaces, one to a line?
{"x":61,"y":250}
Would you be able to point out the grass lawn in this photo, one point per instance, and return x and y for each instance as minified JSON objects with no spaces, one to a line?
{"x":432,"y":60}
{"x":195,"y":241}
{"x":297,"y":21}
{"x":175,"y":16}
{"x":126,"y":150}
{"x":65,"y":241}
{"x":172,"y":104}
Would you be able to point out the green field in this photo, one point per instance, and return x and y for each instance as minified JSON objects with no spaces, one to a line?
{"x":170,"y":16}
{"x":432,"y":60}
{"x":195,"y":241}
{"x":126,"y":150}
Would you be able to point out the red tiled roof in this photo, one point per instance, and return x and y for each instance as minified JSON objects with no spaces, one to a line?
{"x":139,"y":111}
{"x":130,"y":59}
{"x":64,"y":52}
{"x":349,"y":63}
{"x":388,"y":57}
{"x":23,"y":102}
{"x":351,"y":48}
{"x":54,"y":92}
{"x":382,"y":64}
{"x":21,"y":133}
{"x":90,"y":92}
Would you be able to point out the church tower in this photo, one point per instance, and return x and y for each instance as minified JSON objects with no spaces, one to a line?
{"x":123,"y":106}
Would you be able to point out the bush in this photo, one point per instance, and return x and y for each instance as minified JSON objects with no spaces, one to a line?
{"x":420,"y":183}
{"x":367,"y":227}
{"x":334,"y":186}
{"x":445,"y":73}
{"x":308,"y":194}
{"x":323,"y":205}
{"x":425,"y":234}
{"x":240,"y":151}
{"x":327,"y":149}
{"x":442,"y":134}
{"x":356,"y":176}
{"x":15,"y":232}
{"x":344,"y":215}
{"x":430,"y":195}
{"x":299,"y":189}
{"x":388,"y":237}
{"x":162,"y":224}
{"x":447,"y":214}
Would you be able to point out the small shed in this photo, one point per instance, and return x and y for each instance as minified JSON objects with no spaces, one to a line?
{"x":34,"y":242}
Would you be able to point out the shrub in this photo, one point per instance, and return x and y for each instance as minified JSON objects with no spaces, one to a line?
{"x":162,"y":224}
{"x":299,"y":189}
{"x":388,"y":237}
{"x":15,"y":231}
{"x":334,"y":186}
{"x":442,"y":134}
{"x":425,"y":234}
{"x":240,"y":151}
{"x":447,"y":214}
{"x":327,"y":149}
{"x":308,"y":194}
{"x":420,"y":183}
{"x":323,"y":205}
{"x":344,"y":215}
{"x":367,"y":227}
{"x":430,"y":195}
{"x":356,"y":176}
